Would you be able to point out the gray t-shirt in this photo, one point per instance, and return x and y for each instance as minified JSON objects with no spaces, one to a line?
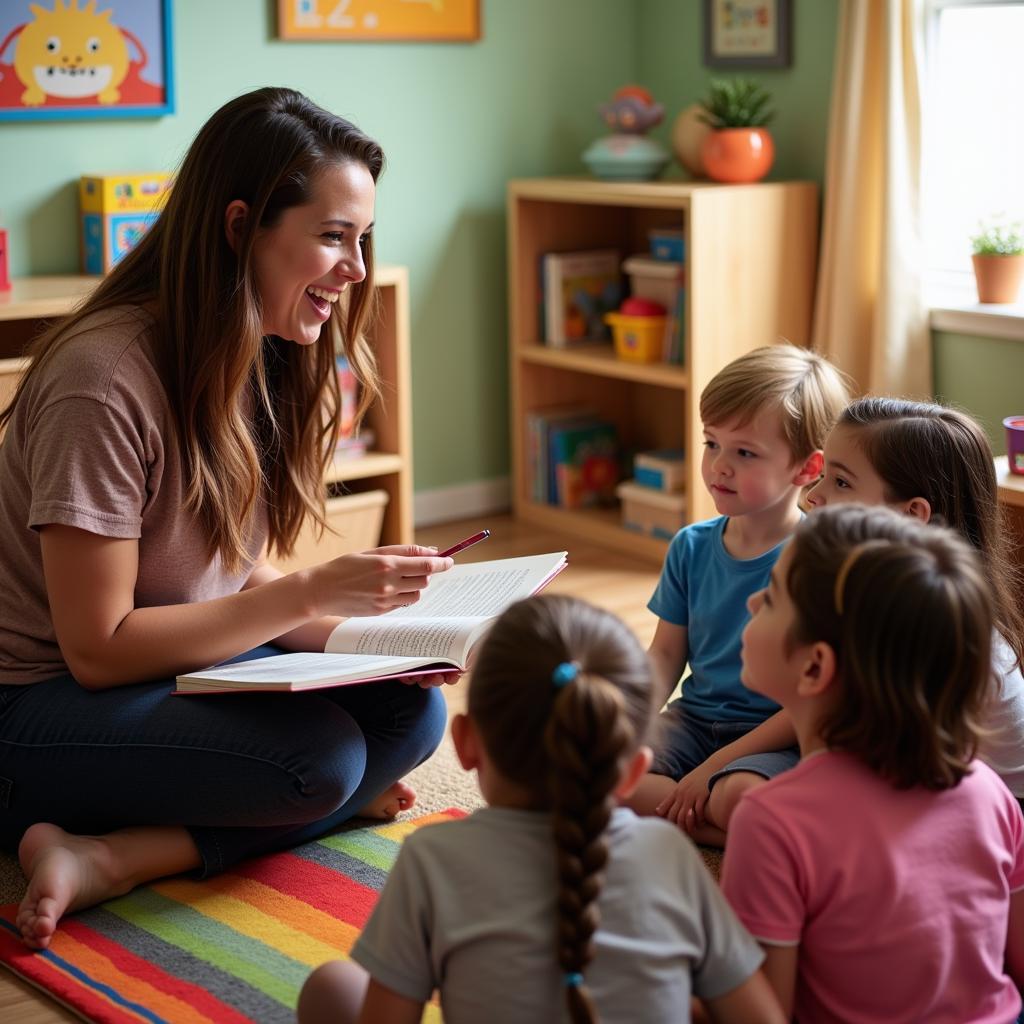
{"x":469,"y":908}
{"x":91,"y":444}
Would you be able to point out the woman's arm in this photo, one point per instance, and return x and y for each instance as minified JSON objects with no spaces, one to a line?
{"x":310,"y":636}
{"x":107,"y":641}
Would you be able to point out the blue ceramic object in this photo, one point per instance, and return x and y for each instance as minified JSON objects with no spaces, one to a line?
{"x":623,"y":157}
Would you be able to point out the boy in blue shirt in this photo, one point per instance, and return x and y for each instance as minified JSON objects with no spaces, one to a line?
{"x":765,"y":416}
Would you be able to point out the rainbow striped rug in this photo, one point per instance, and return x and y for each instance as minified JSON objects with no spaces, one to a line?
{"x":228,"y":950}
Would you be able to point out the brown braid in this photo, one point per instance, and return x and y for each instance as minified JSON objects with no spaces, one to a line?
{"x":567,"y":745}
{"x":587,"y":738}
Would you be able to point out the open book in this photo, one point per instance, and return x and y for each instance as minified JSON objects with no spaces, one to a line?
{"x":435,"y":634}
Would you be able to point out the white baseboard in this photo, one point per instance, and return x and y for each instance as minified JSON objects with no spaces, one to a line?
{"x":463,"y":501}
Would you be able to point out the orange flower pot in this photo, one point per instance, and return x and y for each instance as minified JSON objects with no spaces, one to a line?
{"x":998,"y":277}
{"x":737,"y":155}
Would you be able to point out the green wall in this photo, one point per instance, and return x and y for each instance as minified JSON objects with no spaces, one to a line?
{"x":456,"y":120}
{"x":984,"y":376}
{"x":670,"y":64}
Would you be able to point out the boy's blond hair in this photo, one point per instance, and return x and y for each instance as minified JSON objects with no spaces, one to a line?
{"x":807,"y":391}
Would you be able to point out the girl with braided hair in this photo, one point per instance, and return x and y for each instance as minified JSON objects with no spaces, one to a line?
{"x":553,"y":903}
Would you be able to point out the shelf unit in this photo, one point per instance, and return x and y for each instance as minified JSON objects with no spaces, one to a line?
{"x":33,"y":300}
{"x":751,"y":256}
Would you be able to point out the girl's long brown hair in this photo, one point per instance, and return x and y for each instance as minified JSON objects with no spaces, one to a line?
{"x":922,"y":450}
{"x":566,"y":745}
{"x":906,"y":608}
{"x":256,"y":418}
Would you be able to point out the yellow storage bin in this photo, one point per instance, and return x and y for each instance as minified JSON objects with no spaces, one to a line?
{"x":638,"y":339}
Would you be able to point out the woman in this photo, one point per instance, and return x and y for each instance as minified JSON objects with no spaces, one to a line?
{"x":166,"y":437}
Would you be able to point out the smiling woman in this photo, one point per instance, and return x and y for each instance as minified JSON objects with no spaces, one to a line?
{"x":165,"y":438}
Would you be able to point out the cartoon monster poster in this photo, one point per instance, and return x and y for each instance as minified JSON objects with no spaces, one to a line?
{"x":85,"y":58}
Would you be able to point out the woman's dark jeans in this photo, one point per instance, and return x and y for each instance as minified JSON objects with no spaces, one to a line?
{"x":245,"y":773}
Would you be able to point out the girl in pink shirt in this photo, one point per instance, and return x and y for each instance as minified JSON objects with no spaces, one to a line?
{"x":883,"y":875}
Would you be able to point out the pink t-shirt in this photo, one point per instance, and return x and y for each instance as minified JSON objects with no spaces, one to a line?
{"x":898,"y":899}
{"x":92,"y":445}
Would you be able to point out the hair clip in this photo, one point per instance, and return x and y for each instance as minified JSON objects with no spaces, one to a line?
{"x":572,"y":979}
{"x":564,"y":674}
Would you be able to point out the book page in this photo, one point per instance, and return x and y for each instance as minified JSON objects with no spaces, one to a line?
{"x":409,"y":638}
{"x":462,"y":599}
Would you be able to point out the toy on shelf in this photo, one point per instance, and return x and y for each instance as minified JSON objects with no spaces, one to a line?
{"x":117,"y":210}
{"x":627,"y":154}
{"x":639,"y":329}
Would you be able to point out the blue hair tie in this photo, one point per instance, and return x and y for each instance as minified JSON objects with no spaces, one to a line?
{"x":564,"y":674}
{"x":572,"y":979}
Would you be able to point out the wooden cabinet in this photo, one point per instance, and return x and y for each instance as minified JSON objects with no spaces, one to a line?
{"x":356,"y":486}
{"x":751,"y":255}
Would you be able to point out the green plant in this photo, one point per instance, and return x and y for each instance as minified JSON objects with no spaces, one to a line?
{"x":736,"y":103}
{"x":997,"y":237}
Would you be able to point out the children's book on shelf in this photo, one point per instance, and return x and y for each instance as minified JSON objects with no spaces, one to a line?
{"x":585,"y":461}
{"x":436,"y":634}
{"x":578,"y":288}
{"x":539,"y":425}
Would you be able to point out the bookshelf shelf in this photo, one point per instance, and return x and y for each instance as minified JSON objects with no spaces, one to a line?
{"x":751,"y":255}
{"x":601,"y":361}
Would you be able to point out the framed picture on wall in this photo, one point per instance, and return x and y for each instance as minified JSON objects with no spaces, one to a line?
{"x":747,"y":33}
{"x":438,"y":21}
{"x":62,"y":59}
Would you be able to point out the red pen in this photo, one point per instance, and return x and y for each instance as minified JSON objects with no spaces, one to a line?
{"x":463,"y":544}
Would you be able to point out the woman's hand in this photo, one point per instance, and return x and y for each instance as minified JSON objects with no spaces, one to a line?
{"x":373,"y":582}
{"x":685,"y":805}
{"x":427,"y":680}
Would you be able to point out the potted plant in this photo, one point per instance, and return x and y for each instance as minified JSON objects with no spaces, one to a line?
{"x":998,"y":257}
{"x":738,"y":148}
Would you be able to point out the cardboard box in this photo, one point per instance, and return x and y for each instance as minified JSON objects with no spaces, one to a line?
{"x":117,"y":210}
{"x":651,"y":512}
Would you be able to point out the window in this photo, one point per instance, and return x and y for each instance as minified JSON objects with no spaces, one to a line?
{"x":973,"y":134}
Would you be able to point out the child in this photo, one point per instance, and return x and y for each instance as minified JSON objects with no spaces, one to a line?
{"x":884,"y":874}
{"x":928,"y":460}
{"x":551,"y":895}
{"x":766,"y":416}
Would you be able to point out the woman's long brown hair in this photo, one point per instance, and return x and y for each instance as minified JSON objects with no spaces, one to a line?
{"x":566,"y":745}
{"x":255,"y":418}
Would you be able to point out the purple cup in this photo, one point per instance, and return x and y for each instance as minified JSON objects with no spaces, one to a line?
{"x":1015,"y":443}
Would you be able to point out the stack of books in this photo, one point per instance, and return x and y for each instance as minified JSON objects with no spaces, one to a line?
{"x":574,"y":458}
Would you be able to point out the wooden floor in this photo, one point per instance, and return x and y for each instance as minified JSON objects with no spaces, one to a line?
{"x":613,"y":581}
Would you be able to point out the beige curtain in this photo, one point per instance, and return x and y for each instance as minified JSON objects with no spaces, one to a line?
{"x":870,"y":317}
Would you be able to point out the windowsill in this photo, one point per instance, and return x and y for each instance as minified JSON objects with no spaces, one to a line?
{"x":953,"y":306}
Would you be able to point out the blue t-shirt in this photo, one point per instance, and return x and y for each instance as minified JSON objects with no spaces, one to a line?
{"x":705,"y":589}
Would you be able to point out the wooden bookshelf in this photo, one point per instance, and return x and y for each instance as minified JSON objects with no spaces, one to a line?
{"x":751,"y":256}
{"x":387,"y":470}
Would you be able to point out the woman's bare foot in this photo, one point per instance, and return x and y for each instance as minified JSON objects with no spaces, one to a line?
{"x":399,"y":796}
{"x":66,"y":872}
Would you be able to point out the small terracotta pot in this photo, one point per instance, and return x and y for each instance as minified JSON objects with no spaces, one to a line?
{"x":737,"y":154}
{"x":998,"y":277}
